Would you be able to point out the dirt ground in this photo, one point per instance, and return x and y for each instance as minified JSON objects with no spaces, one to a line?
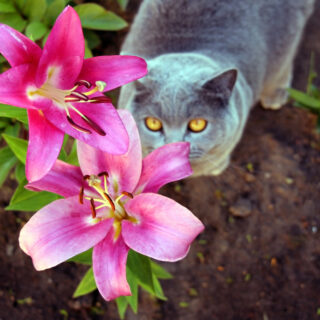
{"x":264,"y":265}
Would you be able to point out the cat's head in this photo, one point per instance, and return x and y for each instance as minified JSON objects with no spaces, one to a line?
{"x":185,"y":97}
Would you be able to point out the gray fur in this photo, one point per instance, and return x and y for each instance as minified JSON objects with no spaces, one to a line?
{"x":188,"y":45}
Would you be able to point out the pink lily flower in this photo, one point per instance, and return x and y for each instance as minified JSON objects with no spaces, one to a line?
{"x":111,"y":204}
{"x":62,"y":92}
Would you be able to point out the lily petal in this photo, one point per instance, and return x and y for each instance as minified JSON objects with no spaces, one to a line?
{"x":124,"y":170}
{"x":114,"y":70}
{"x":59,"y":231}
{"x":14,"y":83}
{"x":63,"y":179}
{"x":115,"y":140}
{"x":17,"y":48}
{"x":164,"y":230}
{"x":163,"y":165}
{"x":45,"y":142}
{"x":109,"y":266}
{"x":63,"y":53}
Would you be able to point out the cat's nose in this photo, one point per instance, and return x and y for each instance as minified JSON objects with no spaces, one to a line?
{"x":175,"y":138}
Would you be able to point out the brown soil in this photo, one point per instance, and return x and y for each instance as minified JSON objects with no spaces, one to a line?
{"x":264,"y":265}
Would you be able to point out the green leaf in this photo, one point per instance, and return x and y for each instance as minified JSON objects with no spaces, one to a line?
{"x":34,"y":9}
{"x":44,"y":40}
{"x":123,"y":4}
{"x":18,"y":147}
{"x":92,"y":38}
{"x":133,"y":283}
{"x":84,"y":257}
{"x":53,"y":10}
{"x":122,"y":305}
{"x":20,"y":172}
{"x":86,"y":285}
{"x":7,"y":161}
{"x":6,"y":6}
{"x":36,"y":30}
{"x":72,"y":158}
{"x":307,"y":101}
{"x":26,"y":200}
{"x":14,"y":20}
{"x":20,"y":3}
{"x":140,"y":266}
{"x":158,"y":292}
{"x":13,"y":112}
{"x":13,"y":129}
{"x":87,"y":52}
{"x":62,"y":155}
{"x":4,"y":123}
{"x":94,"y":16}
{"x":159,"y":271}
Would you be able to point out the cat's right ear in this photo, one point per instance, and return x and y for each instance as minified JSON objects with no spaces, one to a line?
{"x":221,"y":86}
{"x":140,"y":86}
{"x":141,"y":92}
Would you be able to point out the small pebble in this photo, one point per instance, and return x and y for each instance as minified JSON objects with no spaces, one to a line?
{"x":267,"y":175}
{"x":249,"y":177}
{"x":289,"y":180}
{"x":273,"y":262}
{"x":242,"y":208}
{"x":314,"y":229}
{"x":9,"y":250}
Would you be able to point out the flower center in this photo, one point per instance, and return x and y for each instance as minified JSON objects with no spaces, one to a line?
{"x":65,"y":98}
{"x":116,"y":208}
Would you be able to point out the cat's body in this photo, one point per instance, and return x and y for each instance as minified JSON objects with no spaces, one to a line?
{"x":210,"y":59}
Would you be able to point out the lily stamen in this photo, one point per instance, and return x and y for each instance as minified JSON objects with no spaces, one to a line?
{"x":76,"y":126}
{"x":105,"y":176}
{"x":77,"y":95}
{"x":108,"y":198}
{"x":82,"y":83}
{"x":81,"y":195}
{"x":94,"y":126}
{"x":123,"y":194}
{"x":93,"y":209}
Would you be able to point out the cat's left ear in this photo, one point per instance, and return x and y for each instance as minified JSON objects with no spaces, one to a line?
{"x":222,"y":85}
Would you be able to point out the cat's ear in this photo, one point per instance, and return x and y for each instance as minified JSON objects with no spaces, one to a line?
{"x":140,"y":86}
{"x":141,"y":92}
{"x":221,"y":86}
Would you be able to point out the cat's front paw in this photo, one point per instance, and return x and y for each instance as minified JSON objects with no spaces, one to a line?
{"x":275,"y":100}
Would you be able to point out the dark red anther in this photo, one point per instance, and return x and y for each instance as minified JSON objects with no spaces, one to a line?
{"x":100,"y":99}
{"x":93,"y":125}
{"x":93,"y":209}
{"x":76,"y":126}
{"x":86,"y":177}
{"x":128,"y":194}
{"x":81,"y":195}
{"x":83,"y":83}
{"x":71,"y":98}
{"x":104,"y":173}
{"x":79,"y":95}
{"x":107,"y":197}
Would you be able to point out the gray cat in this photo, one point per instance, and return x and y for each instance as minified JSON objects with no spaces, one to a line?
{"x":209,"y":62}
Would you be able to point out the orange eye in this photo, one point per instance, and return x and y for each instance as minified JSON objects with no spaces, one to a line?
{"x":197,"y":125}
{"x":153,"y":124}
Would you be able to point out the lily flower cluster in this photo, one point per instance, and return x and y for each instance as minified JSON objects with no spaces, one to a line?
{"x":110,"y":202}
